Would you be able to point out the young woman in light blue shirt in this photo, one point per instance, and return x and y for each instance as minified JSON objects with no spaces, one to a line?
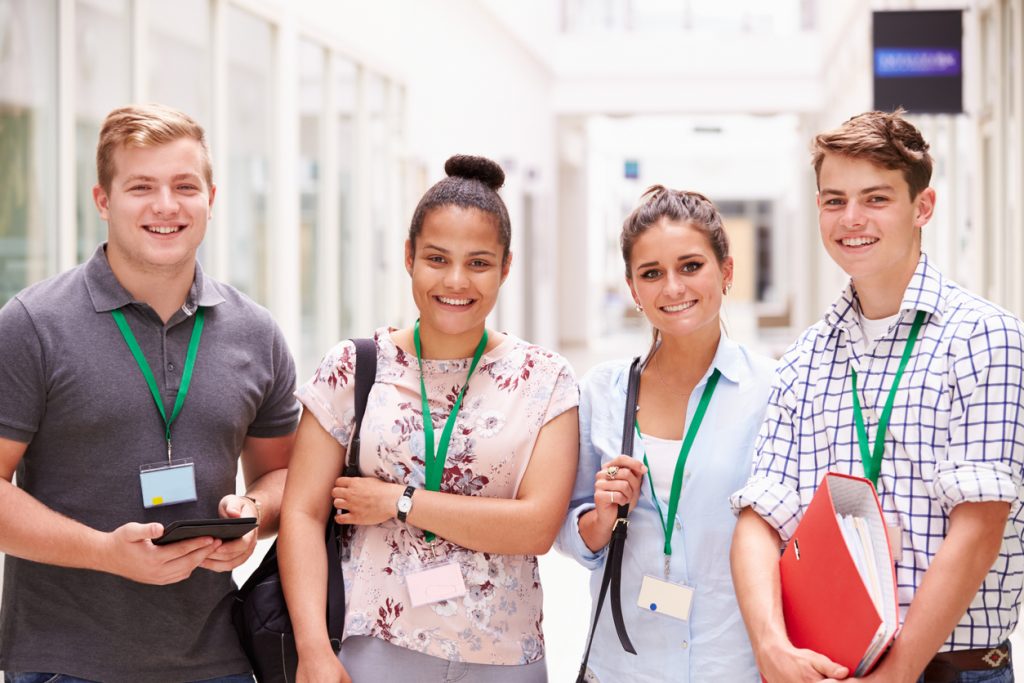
{"x":697,"y":387}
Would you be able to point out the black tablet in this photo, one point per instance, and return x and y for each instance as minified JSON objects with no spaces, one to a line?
{"x":227,"y":529}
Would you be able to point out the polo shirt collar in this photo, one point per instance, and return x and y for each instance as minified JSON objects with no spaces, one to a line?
{"x":923,"y":293}
{"x":108,"y":294}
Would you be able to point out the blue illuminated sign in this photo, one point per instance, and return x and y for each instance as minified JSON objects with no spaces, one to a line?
{"x":903,"y":62}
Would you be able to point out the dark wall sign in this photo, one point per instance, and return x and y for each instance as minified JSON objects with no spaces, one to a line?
{"x":918,"y":61}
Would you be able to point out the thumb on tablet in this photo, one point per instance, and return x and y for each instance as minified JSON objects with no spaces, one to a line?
{"x":135,"y":532}
{"x":231,"y":506}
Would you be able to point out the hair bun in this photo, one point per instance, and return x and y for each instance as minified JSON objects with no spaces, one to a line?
{"x":475,"y":168}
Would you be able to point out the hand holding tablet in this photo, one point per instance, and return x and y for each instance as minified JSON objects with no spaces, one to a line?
{"x":227,"y":529}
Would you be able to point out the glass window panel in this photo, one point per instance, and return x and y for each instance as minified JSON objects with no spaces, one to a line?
{"x":178,"y":47}
{"x":311,"y":112}
{"x":102,"y":83}
{"x":376,"y":99}
{"x":250,"y":46}
{"x":28,"y":149}
{"x":345,"y":120}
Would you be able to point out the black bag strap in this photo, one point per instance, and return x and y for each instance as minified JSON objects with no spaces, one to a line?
{"x":366,"y":373}
{"x":613,"y":560}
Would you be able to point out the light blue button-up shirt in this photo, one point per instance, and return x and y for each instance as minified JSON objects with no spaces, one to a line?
{"x":712,"y":645}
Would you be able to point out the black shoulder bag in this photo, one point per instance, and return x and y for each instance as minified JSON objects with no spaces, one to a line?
{"x":613,"y":560}
{"x":259,"y":611}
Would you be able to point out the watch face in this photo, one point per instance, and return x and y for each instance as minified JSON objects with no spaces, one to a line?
{"x":404,"y":504}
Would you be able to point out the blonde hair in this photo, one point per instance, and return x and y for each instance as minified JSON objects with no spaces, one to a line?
{"x":146,"y":125}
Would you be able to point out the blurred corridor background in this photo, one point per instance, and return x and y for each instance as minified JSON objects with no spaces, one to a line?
{"x":329,"y":118}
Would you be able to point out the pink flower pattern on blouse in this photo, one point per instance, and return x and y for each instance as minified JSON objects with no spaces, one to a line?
{"x":516,"y":389}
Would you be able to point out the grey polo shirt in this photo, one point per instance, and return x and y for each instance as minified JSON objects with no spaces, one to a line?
{"x":71,"y":390}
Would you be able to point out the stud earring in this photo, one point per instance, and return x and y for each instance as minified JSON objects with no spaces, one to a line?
{"x":728,"y":288}
{"x":639,"y":308}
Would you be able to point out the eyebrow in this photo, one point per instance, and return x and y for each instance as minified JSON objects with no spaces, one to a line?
{"x":866,"y":190}
{"x":478,"y":252}
{"x":151,"y":179}
{"x":684,"y":257}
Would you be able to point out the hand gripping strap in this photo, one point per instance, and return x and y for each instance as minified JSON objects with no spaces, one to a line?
{"x":366,"y":373}
{"x":613,"y":560}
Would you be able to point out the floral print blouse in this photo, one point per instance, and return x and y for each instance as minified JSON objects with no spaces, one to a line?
{"x":516,"y":389}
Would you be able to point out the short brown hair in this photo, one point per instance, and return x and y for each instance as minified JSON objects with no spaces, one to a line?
{"x":146,"y":125}
{"x":882,"y":138}
{"x":682,"y":206}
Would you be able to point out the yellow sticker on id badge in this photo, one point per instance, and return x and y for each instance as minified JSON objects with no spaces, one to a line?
{"x":663,"y":597}
{"x":166,"y":483}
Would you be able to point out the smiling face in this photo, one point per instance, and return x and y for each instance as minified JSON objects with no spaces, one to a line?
{"x":456,"y":271}
{"x":870,"y":225}
{"x":157,"y":207}
{"x":676,"y":278}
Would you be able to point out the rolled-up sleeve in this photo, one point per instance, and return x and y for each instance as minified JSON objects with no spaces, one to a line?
{"x":772,"y":489}
{"x":985,"y":455}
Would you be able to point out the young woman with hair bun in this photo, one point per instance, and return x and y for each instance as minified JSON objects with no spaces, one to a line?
{"x":469,"y":447}
{"x":701,"y":400}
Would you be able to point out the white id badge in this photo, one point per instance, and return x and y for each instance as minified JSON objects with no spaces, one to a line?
{"x":663,"y":597}
{"x":168,"y":483}
{"x":895,"y":533}
{"x":433,"y":584}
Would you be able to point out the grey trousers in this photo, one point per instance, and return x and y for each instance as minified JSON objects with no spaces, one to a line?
{"x":372,"y":660}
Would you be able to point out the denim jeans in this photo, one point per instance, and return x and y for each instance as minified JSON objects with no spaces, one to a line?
{"x":36,"y":677}
{"x":1003,"y":675}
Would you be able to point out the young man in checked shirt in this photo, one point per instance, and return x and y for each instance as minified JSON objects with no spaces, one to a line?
{"x":950,"y":472}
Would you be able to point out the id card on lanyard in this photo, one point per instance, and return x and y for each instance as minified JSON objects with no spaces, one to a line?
{"x":172,"y":481}
{"x":441,"y":580}
{"x":872,"y":457}
{"x":664,"y":596}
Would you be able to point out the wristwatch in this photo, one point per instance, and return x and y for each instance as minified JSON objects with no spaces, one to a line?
{"x":404,"y":504}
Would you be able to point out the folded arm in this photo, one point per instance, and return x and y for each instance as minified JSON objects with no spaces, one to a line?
{"x":525,"y":525}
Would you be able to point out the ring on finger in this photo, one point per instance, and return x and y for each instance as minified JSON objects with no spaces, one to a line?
{"x":611,"y":496}
{"x":611,"y":472}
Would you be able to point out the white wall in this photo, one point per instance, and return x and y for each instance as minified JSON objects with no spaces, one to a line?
{"x":471,"y":87}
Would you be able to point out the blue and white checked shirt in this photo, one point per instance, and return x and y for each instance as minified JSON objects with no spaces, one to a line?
{"x":956,"y":434}
{"x":713,"y":644}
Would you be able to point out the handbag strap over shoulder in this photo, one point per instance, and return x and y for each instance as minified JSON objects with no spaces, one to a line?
{"x":612,"y":576}
{"x":366,"y":373}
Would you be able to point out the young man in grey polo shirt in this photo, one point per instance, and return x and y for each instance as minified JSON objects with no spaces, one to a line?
{"x":100,"y":468}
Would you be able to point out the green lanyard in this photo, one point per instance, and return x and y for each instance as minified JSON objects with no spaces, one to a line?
{"x":873,"y":459}
{"x":434,"y":461}
{"x":186,"y":375}
{"x":684,"y":453}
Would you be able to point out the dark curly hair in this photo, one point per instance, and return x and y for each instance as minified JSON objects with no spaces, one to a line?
{"x":885,"y":139}
{"x":472,"y":183}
